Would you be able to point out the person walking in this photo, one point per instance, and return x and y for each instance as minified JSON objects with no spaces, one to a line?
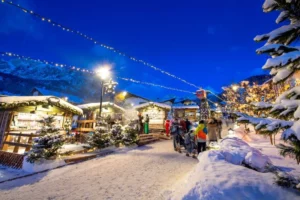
{"x":200,"y":136}
{"x":188,"y":124}
{"x":146,"y":125}
{"x":189,"y":141}
{"x":219,"y":123}
{"x":175,"y":134}
{"x":141,"y":125}
{"x":212,"y":128}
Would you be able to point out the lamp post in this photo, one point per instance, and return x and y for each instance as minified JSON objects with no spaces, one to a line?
{"x":103,"y":73}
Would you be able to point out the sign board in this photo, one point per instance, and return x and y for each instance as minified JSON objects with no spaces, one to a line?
{"x":201,"y":94}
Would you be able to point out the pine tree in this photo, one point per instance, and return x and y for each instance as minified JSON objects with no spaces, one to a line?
{"x":284,"y":62}
{"x":292,"y":150}
{"x":131,"y":134}
{"x":116,"y":134}
{"x":101,"y":138}
{"x":48,"y":144}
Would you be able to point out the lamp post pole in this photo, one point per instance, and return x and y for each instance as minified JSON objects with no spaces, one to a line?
{"x":101,"y":98}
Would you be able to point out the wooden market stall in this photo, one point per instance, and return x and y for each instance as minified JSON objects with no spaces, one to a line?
{"x":87,"y":122}
{"x":20,"y":116}
{"x":157,"y":113}
{"x":186,"y":109}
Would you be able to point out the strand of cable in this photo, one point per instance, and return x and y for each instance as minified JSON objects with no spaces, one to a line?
{"x":70,"y":67}
{"x":216,"y":95}
{"x":153,"y":84}
{"x":65,"y":28}
{"x":87,"y":71}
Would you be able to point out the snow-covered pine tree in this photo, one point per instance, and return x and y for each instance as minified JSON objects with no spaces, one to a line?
{"x":130,"y":133}
{"x":284,"y":62}
{"x":101,"y":138}
{"x":48,"y":144}
{"x":116,"y":135}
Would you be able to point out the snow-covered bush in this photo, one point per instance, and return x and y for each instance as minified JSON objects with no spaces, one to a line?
{"x":116,"y":135}
{"x":100,"y":139}
{"x":130,"y":134}
{"x":48,"y":144}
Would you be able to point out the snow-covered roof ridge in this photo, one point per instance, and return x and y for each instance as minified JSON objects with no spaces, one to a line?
{"x":182,"y":106}
{"x":10,"y":102}
{"x":47,"y":92}
{"x":161,"y":105}
{"x":97,"y":105}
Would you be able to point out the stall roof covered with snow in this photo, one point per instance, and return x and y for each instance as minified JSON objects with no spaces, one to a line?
{"x":14,"y":102}
{"x":160,"y":105}
{"x":44,"y":92}
{"x":95,"y":106}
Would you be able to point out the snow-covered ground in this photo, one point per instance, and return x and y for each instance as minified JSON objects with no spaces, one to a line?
{"x":216,"y":177}
{"x":141,"y":173}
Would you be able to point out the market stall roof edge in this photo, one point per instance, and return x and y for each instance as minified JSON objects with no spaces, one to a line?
{"x":10,"y":102}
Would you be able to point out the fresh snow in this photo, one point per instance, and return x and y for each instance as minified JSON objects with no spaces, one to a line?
{"x":141,"y":173}
{"x":20,"y":99}
{"x":97,"y":105}
{"x":282,"y":60}
{"x":41,"y":165}
{"x":161,"y":105}
{"x":220,"y":176}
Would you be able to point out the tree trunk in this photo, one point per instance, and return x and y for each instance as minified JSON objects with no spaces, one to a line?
{"x":274,"y":139}
{"x":271,"y":140}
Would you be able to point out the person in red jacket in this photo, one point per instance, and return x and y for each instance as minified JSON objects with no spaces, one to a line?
{"x":168,"y":126}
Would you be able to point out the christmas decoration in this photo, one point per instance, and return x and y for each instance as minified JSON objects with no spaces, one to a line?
{"x":131,"y":134}
{"x":48,"y":144}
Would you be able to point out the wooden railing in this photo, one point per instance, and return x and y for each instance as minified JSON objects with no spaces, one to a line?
{"x":12,"y":160}
{"x":85,"y":129}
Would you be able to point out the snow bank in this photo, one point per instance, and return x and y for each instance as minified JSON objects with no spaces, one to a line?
{"x":41,"y":165}
{"x":238,"y":152}
{"x":214,"y":178}
{"x":220,"y":175}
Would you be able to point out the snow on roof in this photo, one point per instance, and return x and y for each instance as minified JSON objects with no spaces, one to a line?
{"x":90,"y":106}
{"x":161,"y":105}
{"x":46,"y":92}
{"x":19,"y":101}
{"x":182,"y":106}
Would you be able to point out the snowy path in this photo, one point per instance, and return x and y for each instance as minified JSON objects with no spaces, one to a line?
{"x":142,"y":173}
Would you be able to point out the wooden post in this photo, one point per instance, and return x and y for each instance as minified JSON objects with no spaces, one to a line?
{"x":16,"y":149}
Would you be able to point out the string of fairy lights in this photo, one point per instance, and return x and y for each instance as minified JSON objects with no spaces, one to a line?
{"x":153,"y":84}
{"x":87,"y":37}
{"x":65,"y":28}
{"x":80,"y":69}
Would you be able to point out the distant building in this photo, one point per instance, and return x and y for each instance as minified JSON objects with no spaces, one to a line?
{"x":128,"y":99}
{"x":67,"y":97}
{"x":185,"y":108}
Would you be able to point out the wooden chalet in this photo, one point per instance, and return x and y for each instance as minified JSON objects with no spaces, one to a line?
{"x":186,"y":108}
{"x":87,"y":122}
{"x":157,"y":113}
{"x":128,"y":99}
{"x":20,"y":116}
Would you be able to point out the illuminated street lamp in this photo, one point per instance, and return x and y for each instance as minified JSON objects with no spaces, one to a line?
{"x":104,"y":74}
{"x":235,"y":87}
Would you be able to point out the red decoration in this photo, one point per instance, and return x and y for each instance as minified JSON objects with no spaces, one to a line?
{"x":201,"y":94}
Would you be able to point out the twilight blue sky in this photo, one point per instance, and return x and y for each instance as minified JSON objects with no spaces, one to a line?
{"x":209,"y":43}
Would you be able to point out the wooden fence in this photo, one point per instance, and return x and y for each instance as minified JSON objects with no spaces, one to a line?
{"x":12,"y":160}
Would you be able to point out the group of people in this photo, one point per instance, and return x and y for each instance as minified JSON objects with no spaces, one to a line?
{"x":184,"y":134}
{"x":143,"y":124}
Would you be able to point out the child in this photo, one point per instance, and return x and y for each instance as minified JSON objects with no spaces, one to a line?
{"x":189,"y":143}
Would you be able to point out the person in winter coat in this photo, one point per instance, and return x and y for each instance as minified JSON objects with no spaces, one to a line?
{"x":175,"y":132}
{"x":146,"y":126}
{"x":219,"y":122}
{"x":212,"y":128}
{"x":188,"y":124}
{"x":200,"y":135}
{"x":189,"y":141}
{"x":141,"y":125}
{"x":183,"y":125}
{"x":168,"y":127}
